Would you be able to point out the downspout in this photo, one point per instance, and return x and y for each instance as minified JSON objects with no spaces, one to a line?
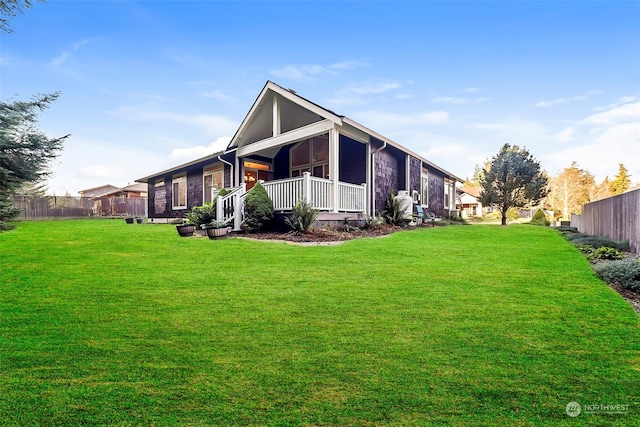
{"x":230,"y":166}
{"x":373,"y":175}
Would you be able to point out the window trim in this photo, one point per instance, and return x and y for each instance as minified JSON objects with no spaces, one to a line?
{"x":180,"y":180}
{"x":311,"y":164}
{"x":424,"y":189}
{"x":211,"y":170}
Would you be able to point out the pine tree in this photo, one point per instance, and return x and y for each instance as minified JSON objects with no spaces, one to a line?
{"x":514,"y":179}
{"x":622,"y":181}
{"x":25,"y":152}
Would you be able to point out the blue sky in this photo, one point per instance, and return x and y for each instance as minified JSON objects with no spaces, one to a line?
{"x":149,"y":85}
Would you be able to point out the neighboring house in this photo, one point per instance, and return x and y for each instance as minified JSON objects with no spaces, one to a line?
{"x":468,"y":202}
{"x":115,"y":201}
{"x":96,"y":191}
{"x":302,"y":150}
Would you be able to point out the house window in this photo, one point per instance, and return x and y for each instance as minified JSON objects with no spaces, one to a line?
{"x":159,"y":182}
{"x":212,"y":181}
{"x":179,"y":191}
{"x":311,"y":155}
{"x":424,"y":193}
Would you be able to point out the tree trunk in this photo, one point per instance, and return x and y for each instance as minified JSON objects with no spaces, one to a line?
{"x":504,"y":217}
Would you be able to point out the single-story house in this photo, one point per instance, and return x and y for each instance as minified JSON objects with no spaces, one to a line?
{"x":302,"y":150}
{"x":468,"y":202}
{"x":120,"y":201}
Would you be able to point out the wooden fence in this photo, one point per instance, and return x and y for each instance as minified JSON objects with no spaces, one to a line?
{"x":616,"y":217}
{"x":49,"y":207}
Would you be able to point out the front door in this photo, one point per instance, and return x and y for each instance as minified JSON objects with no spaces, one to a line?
{"x":254,"y":172}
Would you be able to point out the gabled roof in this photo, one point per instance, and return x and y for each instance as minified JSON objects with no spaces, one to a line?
{"x":95,"y":191}
{"x":473,"y":191}
{"x":261,"y":112}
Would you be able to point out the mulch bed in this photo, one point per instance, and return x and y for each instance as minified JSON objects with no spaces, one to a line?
{"x":323,"y":236}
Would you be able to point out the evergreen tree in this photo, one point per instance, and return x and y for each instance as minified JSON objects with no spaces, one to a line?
{"x":514,"y":179}
{"x":10,"y":9}
{"x":622,"y":181}
{"x":25,"y":152}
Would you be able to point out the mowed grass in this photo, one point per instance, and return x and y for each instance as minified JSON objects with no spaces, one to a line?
{"x":107,"y":323}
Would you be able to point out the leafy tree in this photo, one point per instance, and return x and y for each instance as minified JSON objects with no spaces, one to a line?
{"x":478,"y":173}
{"x":514,"y":179}
{"x":258,"y":209}
{"x":621,"y":182}
{"x":11,"y":9}
{"x":569,"y":190}
{"x":25,"y":152}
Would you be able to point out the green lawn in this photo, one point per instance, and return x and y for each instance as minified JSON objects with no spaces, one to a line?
{"x":103,"y":322}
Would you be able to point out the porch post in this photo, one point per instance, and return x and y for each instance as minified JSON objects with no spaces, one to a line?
{"x":334,"y":166}
{"x":276,"y":116}
{"x":306,"y":187}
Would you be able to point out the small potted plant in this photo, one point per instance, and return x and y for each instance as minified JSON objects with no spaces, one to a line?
{"x":215,"y":229}
{"x":185,"y":229}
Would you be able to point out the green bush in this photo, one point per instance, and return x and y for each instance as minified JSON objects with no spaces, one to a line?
{"x":258,"y":209}
{"x":540,"y":219}
{"x":200,"y":215}
{"x":371,"y":222}
{"x":302,"y":218}
{"x":605,"y":253}
{"x":597,"y":241}
{"x":393,"y":213}
{"x":625,"y":273}
{"x":512,"y":215}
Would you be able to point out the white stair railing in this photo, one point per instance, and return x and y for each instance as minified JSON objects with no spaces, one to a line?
{"x":230,"y":208}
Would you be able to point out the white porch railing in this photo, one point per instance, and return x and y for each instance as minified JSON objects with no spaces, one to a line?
{"x":352,"y":197}
{"x":285,"y":193}
{"x":318,"y":192}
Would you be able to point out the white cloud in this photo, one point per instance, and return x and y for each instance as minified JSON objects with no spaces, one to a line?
{"x":379,"y":87}
{"x":192,"y":153}
{"x":308,"y":71}
{"x":356,"y":93}
{"x":613,"y":137}
{"x":566,"y":100}
{"x":210,"y":124}
{"x":216,"y":94}
{"x":458,"y":100}
{"x":377,"y":119}
{"x":60,"y":59}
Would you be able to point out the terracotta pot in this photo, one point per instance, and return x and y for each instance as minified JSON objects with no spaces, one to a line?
{"x":186,"y":230}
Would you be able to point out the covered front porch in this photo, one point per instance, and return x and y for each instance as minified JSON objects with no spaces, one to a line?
{"x":321,"y":194}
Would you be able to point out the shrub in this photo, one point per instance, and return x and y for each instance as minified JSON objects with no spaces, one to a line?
{"x":625,"y":273}
{"x":585,"y":249}
{"x":302,"y":218}
{"x":512,"y":215}
{"x":199,"y":215}
{"x":371,"y":222}
{"x":393,"y":213}
{"x":258,"y":209}
{"x":605,"y":253}
{"x":540,"y":219}
{"x":597,"y":241}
